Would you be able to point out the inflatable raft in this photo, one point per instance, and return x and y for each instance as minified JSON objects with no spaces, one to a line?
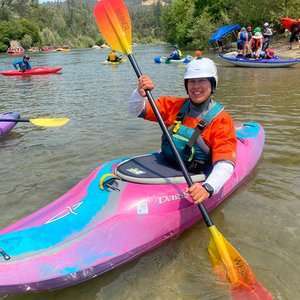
{"x":163,"y":59}
{"x":6,"y":127}
{"x":33,"y":71}
{"x":124,"y":208}
{"x":258,"y":63}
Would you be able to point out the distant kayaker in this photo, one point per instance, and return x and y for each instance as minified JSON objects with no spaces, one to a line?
{"x":198,"y":54}
{"x":202,"y":131}
{"x":175,"y":54}
{"x":22,"y":64}
{"x":113,"y":57}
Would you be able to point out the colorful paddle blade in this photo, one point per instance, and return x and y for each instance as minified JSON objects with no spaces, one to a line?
{"x":114,"y":24}
{"x":44,"y":122}
{"x":230,"y":266}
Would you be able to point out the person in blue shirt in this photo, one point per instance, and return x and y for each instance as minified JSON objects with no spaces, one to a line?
{"x":175,"y":54}
{"x":23,"y":64}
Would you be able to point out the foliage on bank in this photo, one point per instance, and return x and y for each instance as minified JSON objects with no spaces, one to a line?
{"x":187,"y":23}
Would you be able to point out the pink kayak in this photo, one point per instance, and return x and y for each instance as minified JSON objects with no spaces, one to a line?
{"x":6,"y":127}
{"x":33,"y":71}
{"x":124,"y":208}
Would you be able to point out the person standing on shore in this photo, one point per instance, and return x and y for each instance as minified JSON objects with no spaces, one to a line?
{"x":267,"y":35}
{"x":295,"y":33}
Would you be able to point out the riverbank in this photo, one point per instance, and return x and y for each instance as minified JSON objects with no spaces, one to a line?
{"x":281,"y":47}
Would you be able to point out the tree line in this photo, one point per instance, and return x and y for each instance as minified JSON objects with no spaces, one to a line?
{"x":187,"y":23}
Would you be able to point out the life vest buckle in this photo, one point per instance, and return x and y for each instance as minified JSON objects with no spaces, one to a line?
{"x":176,"y":126}
{"x":201,"y":125}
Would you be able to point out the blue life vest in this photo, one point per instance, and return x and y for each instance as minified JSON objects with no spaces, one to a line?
{"x":243,"y":36}
{"x":188,"y":141}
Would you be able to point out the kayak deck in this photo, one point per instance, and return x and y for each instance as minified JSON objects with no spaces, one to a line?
{"x":33,"y":71}
{"x":6,"y":127}
{"x":90,"y":230}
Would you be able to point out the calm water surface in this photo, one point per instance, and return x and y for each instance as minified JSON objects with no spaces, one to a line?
{"x":261,"y":219}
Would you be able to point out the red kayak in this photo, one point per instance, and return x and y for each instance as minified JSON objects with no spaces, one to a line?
{"x":288,"y":23}
{"x":33,"y":71}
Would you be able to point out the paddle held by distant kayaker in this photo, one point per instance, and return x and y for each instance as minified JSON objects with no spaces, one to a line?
{"x":202,"y":131}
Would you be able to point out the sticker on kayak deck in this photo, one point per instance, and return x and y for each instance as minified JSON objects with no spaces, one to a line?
{"x":142,"y":208}
{"x":135,"y":171}
{"x":67,"y":211}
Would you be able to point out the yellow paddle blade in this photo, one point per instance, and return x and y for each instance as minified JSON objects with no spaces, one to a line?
{"x":230,"y":266}
{"x":114,"y":23}
{"x":221,"y":257}
{"x":227,"y":261}
{"x":47,"y":122}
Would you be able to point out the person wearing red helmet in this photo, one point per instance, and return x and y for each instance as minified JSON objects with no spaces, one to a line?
{"x":202,"y":131}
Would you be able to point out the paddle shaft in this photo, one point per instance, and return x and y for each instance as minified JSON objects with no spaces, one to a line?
{"x":14,"y":120}
{"x":163,"y":127}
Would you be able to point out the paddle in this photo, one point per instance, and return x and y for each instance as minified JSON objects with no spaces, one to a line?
{"x":43,"y":122}
{"x":114,"y":24}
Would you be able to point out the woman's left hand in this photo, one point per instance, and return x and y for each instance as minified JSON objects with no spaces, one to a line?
{"x":198,"y":192}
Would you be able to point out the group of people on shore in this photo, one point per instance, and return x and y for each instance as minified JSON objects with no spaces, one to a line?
{"x":255,"y":44}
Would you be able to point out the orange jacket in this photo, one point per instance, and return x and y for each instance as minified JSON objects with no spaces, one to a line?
{"x":219,"y":135}
{"x":255,"y":44}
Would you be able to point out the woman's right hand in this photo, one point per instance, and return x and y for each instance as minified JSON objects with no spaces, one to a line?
{"x":145,"y":83}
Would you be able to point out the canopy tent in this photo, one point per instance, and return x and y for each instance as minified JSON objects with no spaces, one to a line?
{"x":222,"y":32}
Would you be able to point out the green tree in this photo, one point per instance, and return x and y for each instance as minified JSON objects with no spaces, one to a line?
{"x":26,"y":41}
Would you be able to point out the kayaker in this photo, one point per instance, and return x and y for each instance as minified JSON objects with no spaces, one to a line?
{"x":198,"y":54}
{"x":202,"y":131}
{"x":175,"y":54}
{"x":23,"y":64}
{"x":113,"y":57}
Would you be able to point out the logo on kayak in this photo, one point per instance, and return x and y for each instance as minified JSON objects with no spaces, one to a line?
{"x":135,"y":171}
{"x":174,"y":197}
{"x":65,"y":212}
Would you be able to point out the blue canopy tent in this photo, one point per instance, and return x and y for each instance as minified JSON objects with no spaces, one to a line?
{"x":222,"y":32}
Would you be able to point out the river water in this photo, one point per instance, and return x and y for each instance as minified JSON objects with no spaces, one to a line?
{"x":261,"y":219}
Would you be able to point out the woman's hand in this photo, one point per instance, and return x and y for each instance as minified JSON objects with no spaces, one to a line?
{"x":198,"y":193}
{"x":145,"y":83}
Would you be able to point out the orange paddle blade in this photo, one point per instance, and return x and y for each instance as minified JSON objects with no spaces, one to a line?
{"x":114,"y":24}
{"x":230,"y":266}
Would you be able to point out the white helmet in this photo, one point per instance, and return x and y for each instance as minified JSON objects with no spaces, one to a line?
{"x":201,"y":68}
{"x":266,"y":24}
